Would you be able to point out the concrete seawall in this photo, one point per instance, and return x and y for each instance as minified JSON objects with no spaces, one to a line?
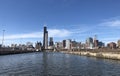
{"x":108,"y":55}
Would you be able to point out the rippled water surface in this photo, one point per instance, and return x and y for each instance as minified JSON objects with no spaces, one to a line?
{"x":54,"y":64}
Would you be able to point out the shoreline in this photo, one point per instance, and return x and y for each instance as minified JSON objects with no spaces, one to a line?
{"x":105,"y":55}
{"x":14,"y":52}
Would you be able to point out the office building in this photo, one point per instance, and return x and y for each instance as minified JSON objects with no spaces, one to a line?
{"x":96,"y":42}
{"x":51,"y":43}
{"x":64,"y":44}
{"x":45,"y":38}
{"x":38,"y":46}
{"x":101,"y":44}
{"x":68,"y":44}
{"x":89,"y":43}
{"x":58,"y":44}
{"x":118,"y":43}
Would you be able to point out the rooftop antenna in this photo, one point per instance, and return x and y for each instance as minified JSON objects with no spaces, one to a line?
{"x":95,"y":37}
{"x":45,"y":25}
{"x":3,"y":38}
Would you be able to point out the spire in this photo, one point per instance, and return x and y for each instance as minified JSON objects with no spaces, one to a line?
{"x":45,"y":25}
{"x":95,"y":37}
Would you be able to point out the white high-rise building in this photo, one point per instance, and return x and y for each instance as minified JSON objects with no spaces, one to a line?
{"x":68,"y":44}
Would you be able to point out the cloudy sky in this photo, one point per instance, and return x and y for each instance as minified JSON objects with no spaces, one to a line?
{"x":23,"y":20}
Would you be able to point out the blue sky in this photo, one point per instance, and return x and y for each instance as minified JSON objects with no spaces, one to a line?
{"x":23,"y":20}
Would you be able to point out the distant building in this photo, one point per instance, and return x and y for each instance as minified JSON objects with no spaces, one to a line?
{"x":68,"y":44}
{"x":51,"y":43}
{"x":22,"y":47}
{"x":56,"y":44}
{"x":75,"y":45}
{"x":118,"y":43}
{"x":38,"y":46}
{"x":13,"y":45}
{"x":64,"y":44}
{"x":101,"y":44}
{"x":83,"y":46}
{"x":89,"y":43}
{"x":111,"y":45}
{"x":59,"y":45}
{"x":45,"y":38}
{"x":29,"y":46}
{"x":96,"y":43}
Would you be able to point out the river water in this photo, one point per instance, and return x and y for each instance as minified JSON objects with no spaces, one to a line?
{"x":56,"y":64}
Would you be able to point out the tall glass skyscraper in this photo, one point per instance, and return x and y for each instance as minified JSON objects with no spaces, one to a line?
{"x":45,"y":38}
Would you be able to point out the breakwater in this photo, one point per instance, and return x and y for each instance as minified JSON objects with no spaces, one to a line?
{"x":6,"y":51}
{"x":14,"y":52}
{"x":108,"y":55}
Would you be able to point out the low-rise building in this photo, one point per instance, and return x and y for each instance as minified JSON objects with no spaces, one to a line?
{"x":75,"y":45}
{"x":101,"y":44}
{"x":59,"y":45}
{"x":111,"y":45}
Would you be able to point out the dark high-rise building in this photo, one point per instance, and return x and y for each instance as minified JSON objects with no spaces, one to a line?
{"x":45,"y":38}
{"x":51,"y":41}
{"x":64,"y":43}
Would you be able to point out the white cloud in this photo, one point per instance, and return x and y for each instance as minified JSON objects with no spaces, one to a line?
{"x":108,"y":40}
{"x":52,"y":33}
{"x":111,"y":22}
{"x":28,"y":35}
{"x":59,"y":33}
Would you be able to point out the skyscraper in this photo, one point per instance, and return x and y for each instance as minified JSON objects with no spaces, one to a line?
{"x":64,"y":44}
{"x":68,"y":44}
{"x":51,"y":41}
{"x":45,"y":38}
{"x":89,"y":43}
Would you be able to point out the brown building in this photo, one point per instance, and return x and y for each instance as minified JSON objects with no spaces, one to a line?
{"x":118,"y":43}
{"x":111,"y":45}
{"x":96,"y":42}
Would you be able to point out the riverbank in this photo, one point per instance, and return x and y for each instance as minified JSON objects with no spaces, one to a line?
{"x":108,"y":55}
{"x":14,"y":52}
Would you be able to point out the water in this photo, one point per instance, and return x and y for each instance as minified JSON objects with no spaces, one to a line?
{"x":54,"y":64}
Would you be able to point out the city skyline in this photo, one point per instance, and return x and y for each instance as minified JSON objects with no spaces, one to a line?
{"x":23,"y":20}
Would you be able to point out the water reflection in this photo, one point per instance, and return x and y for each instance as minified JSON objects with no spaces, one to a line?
{"x":51,"y":64}
{"x":45,"y":65}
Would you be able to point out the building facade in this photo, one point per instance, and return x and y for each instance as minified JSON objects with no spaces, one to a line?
{"x":68,"y":44}
{"x":96,"y":43}
{"x":38,"y":46}
{"x":51,"y":43}
{"x":111,"y":45}
{"x":64,"y":44}
{"x":89,"y":43}
{"x":45,"y":38}
{"x":118,"y":43}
